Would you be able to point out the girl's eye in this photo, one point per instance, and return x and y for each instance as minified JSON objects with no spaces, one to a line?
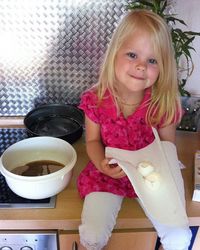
{"x":131,"y":55}
{"x":153,"y":61}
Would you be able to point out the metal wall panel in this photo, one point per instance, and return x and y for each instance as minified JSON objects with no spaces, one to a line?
{"x":50,"y":50}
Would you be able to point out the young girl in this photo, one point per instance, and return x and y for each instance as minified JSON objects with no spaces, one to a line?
{"x":137,"y":89}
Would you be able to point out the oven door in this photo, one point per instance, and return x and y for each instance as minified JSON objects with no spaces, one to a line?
{"x":28,"y":240}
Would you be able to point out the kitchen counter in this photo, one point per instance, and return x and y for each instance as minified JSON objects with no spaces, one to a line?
{"x":66,"y":215}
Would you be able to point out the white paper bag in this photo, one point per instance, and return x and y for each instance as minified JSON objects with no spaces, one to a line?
{"x":165,"y":202}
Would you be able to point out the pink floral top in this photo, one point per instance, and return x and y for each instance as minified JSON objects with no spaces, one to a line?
{"x":131,"y":133}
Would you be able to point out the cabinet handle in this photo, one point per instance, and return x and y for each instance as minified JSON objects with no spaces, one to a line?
{"x":74,"y":246}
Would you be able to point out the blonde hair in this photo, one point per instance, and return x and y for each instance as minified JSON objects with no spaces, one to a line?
{"x":164,"y":100}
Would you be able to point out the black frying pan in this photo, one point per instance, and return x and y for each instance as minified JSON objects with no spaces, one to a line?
{"x":58,"y":120}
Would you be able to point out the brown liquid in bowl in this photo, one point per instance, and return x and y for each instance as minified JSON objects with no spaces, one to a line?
{"x":38,"y":168}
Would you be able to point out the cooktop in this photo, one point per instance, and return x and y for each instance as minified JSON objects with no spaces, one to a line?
{"x":8,"y":199}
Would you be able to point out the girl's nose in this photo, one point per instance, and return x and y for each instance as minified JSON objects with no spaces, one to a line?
{"x":141,"y":66}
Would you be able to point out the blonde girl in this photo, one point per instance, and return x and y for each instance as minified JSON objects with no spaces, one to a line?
{"x":137,"y":89}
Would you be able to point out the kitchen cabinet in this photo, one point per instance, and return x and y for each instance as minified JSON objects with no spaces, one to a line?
{"x":120,"y":239}
{"x":133,"y":229}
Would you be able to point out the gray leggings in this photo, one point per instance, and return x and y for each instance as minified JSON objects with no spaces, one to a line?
{"x":99,"y":215}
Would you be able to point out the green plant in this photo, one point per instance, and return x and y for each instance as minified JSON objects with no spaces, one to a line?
{"x":182,"y":40}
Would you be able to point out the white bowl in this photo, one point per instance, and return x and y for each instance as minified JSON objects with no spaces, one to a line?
{"x":36,"y":149}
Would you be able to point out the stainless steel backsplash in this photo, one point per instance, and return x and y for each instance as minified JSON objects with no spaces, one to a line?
{"x":51,"y":50}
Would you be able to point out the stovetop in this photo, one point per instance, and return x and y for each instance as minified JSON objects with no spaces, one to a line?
{"x":8,"y":199}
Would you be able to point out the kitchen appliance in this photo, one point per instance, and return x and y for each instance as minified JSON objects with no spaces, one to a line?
{"x":63,"y":121}
{"x":196,"y":191}
{"x":28,"y":240}
{"x":8,"y":199}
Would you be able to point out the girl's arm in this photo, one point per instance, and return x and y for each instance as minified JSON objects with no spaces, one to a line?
{"x":168,"y":133}
{"x":96,"y":150}
{"x":94,"y":146}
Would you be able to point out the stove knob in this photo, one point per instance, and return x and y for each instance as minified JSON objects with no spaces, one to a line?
{"x":26,"y":248}
{"x":6,"y":248}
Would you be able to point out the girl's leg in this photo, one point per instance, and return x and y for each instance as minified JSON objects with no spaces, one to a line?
{"x":172,"y":238}
{"x":100,"y":210}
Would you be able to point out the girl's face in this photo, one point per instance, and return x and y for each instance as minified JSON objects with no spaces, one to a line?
{"x":136,"y":66}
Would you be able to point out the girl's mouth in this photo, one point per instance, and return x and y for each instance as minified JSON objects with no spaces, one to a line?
{"x":138,"y":78}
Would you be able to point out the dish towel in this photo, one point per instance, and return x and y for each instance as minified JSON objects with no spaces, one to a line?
{"x":155,"y":175}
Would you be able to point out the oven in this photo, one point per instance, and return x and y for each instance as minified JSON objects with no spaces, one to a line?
{"x":23,"y":239}
{"x":28,"y":240}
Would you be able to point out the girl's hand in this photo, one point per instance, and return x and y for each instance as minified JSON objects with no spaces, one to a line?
{"x":112,"y":170}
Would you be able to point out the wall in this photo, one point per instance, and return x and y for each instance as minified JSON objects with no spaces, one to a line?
{"x":50,"y":51}
{"x":189,"y":12}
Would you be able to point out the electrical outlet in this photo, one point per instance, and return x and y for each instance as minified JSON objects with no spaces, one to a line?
{"x":191,"y":117}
